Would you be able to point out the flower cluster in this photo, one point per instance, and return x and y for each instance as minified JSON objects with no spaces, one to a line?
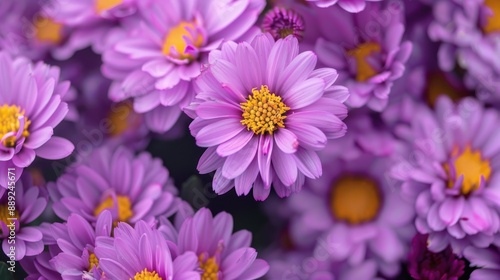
{"x":250,"y":139}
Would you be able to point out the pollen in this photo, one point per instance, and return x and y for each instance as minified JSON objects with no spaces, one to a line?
{"x":493,"y":21}
{"x":124,"y":207}
{"x":210,"y":268}
{"x":263,"y":111}
{"x":93,"y":261}
{"x":12,"y":126}
{"x":364,"y":69}
{"x":179,"y":37}
{"x":103,"y":5}
{"x":471,"y":165}
{"x":355,"y":199}
{"x":47,"y":30}
{"x":146,"y":275}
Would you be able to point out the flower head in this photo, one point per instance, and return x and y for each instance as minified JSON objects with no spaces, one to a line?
{"x":131,"y":187}
{"x":281,"y":22}
{"x":30,"y":108}
{"x":263,"y":111}
{"x":165,"y":51}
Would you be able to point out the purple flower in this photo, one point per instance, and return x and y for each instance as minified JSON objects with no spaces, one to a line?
{"x":426,"y":265}
{"x":221,"y":253}
{"x":281,"y":22}
{"x":367,"y":53}
{"x":132,"y":187}
{"x":469,"y":35}
{"x":29,"y":205}
{"x":30,"y":108}
{"x":451,"y":174}
{"x":352,"y":6}
{"x":155,"y":61}
{"x":263,"y":111}
{"x":486,"y":262}
{"x":141,"y":253}
{"x":354,"y":213}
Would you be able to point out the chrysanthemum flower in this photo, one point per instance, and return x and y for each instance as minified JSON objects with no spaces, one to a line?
{"x":355,"y":214}
{"x":469,"y":33}
{"x":263,"y":112}
{"x":154,"y":62}
{"x":352,"y":6}
{"x":281,"y":22}
{"x":221,"y":253}
{"x":424,"y":264}
{"x":485,"y":261}
{"x":30,"y":108}
{"x":142,"y":253}
{"x":452,"y":174}
{"x":368,"y":55}
{"x":132,"y":187}
{"x":29,"y":205}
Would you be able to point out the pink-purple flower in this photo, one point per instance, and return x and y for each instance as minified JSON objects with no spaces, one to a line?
{"x":263,"y":111}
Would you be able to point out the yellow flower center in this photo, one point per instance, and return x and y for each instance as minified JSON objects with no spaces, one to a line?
{"x":210,"y":268}
{"x":124,"y":207}
{"x":103,"y":5}
{"x":5,"y":215}
{"x":10,"y":124}
{"x":179,"y":37}
{"x":146,"y":275}
{"x":360,"y":54}
{"x":493,"y":21}
{"x":93,"y":261}
{"x":47,"y":30}
{"x":355,"y":199}
{"x":438,"y":85}
{"x":263,"y":111}
{"x":123,"y":117}
{"x":471,"y":165}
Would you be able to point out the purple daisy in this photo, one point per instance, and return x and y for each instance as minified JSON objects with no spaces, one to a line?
{"x":142,"y":253}
{"x":354,"y":213}
{"x":30,"y":108}
{"x":221,"y":253}
{"x":29,"y":205}
{"x":486,"y":261}
{"x":369,"y":55}
{"x":469,"y":33}
{"x":426,"y":265}
{"x":132,"y":187}
{"x":281,"y":22}
{"x":263,"y":112}
{"x":452,"y":174}
{"x":154,"y":62}
{"x":352,"y":6}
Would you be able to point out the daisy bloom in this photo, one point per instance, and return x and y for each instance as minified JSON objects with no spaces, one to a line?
{"x":140,"y":253}
{"x":368,"y":55}
{"x":355,"y":214}
{"x":221,"y":253}
{"x":154,"y":62}
{"x":30,"y":108}
{"x":451,"y":173}
{"x":29,"y":205}
{"x":132,"y":187}
{"x":352,"y":6}
{"x":263,"y":112}
{"x":281,"y":22}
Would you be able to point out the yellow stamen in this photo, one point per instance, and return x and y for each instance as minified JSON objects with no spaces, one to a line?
{"x":5,"y":216}
{"x":9,"y":122}
{"x":103,"y":5}
{"x":360,"y":54}
{"x":355,"y":199}
{"x":146,"y":275}
{"x":48,"y":31}
{"x":493,"y":21}
{"x":210,"y":268}
{"x":438,"y":85}
{"x":175,"y":38}
{"x":471,"y":165}
{"x":263,"y":111}
{"x":123,"y":117}
{"x":93,"y":261}
{"x":124,"y":207}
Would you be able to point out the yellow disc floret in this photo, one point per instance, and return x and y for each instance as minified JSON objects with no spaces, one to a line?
{"x":177,"y":36}
{"x":210,"y":268}
{"x":93,"y":261}
{"x":47,"y":30}
{"x":263,"y":111}
{"x":364,"y":69}
{"x":146,"y":275}
{"x":103,"y":5}
{"x":493,"y":21}
{"x":10,"y":124}
{"x":124,"y":207}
